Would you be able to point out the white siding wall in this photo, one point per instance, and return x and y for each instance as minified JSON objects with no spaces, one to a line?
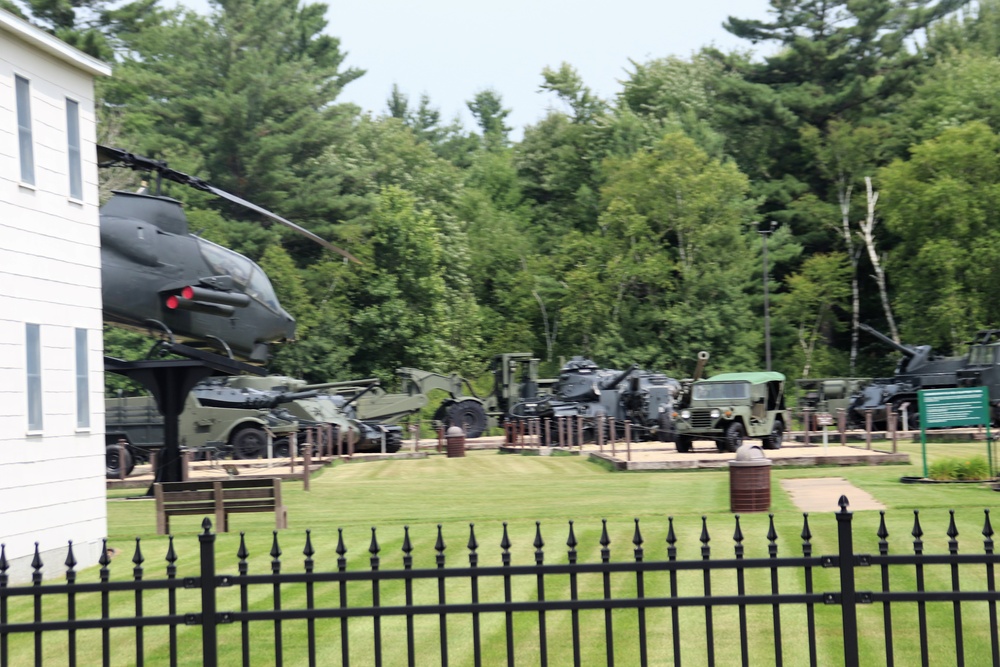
{"x":52,"y":487}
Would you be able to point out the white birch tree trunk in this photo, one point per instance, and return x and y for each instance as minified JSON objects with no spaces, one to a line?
{"x":868,"y":234}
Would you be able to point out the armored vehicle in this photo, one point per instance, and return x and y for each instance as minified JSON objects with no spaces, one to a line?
{"x":309,"y":404}
{"x":919,"y":368}
{"x":983,"y":369}
{"x":728,"y":407}
{"x":583,"y":389}
{"x":240,"y":433}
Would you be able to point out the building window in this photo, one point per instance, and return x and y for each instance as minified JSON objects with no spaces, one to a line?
{"x":82,"y":383}
{"x":33,"y":345}
{"x":23,"y":92}
{"x":73,"y":145}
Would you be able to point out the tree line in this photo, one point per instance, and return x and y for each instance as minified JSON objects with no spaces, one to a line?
{"x":623,"y":229}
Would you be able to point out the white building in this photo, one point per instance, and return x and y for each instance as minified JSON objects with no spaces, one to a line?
{"x":52,"y":487}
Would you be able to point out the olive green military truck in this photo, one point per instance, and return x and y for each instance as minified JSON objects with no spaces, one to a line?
{"x":729,"y":407}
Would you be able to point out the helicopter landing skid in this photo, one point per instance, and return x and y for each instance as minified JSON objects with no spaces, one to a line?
{"x":169,"y":381}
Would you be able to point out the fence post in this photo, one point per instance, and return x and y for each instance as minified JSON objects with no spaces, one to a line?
{"x":306,"y":466}
{"x":848,"y":598}
{"x":209,"y":636}
{"x":868,"y":428}
{"x":121,"y":460}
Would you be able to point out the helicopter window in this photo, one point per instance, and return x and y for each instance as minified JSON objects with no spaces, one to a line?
{"x":261,"y":290}
{"x":722,"y":390}
{"x":226,"y":262}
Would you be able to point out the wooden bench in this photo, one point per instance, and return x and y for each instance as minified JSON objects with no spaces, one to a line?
{"x":219,"y":497}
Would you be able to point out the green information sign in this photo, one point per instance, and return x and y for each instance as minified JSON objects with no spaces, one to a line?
{"x":944,"y":408}
{"x":961,"y":406}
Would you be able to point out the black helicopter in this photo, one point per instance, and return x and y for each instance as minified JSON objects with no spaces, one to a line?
{"x":158,"y":277}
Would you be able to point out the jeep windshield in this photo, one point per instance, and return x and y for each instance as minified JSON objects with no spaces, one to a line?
{"x":729,"y":391}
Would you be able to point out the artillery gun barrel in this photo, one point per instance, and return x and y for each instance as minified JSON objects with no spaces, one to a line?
{"x":700,"y":368}
{"x":902,"y":349}
{"x":619,"y":378}
{"x":346,"y":383}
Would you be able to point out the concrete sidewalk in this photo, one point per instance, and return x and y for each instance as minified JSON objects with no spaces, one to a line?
{"x":820,"y":494}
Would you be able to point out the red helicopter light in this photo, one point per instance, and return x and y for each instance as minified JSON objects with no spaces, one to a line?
{"x":188,"y":292}
{"x":173,"y":302}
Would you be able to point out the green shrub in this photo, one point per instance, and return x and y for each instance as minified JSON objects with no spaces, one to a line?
{"x":944,"y":470}
{"x":953,"y":469}
{"x":974,"y":468}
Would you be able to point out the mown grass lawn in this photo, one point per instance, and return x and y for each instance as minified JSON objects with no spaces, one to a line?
{"x":488,"y":489}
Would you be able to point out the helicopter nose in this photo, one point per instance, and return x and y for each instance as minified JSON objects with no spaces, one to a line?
{"x":289,"y":327}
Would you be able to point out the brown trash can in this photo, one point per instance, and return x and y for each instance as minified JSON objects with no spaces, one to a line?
{"x":455,"y":441}
{"x":749,"y":480}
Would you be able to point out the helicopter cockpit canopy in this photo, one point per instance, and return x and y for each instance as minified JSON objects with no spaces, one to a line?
{"x":247,"y":275}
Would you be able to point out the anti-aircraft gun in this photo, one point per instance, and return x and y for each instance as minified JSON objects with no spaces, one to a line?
{"x":584,"y":390}
{"x":310,"y":404}
{"x":919,"y":368}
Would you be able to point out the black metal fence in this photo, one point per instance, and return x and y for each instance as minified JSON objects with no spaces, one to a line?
{"x":397,"y":607}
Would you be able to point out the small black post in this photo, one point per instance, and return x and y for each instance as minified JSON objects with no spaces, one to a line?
{"x":848,"y":601}
{"x":209,"y":637}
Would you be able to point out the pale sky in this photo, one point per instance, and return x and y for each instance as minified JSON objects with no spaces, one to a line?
{"x":451,"y":49}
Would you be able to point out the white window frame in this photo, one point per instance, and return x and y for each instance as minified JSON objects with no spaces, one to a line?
{"x":75,"y":173}
{"x":33,"y":376}
{"x":82,"y":380}
{"x":26,"y":151}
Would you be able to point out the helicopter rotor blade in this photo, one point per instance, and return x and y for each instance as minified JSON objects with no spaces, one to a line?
{"x":277,"y":218}
{"x":108,"y":157}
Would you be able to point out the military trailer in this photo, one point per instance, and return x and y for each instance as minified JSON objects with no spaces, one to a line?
{"x":243,"y":434}
{"x":644,"y":398}
{"x":729,"y":407}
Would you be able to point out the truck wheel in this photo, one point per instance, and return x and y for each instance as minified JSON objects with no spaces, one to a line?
{"x":114,"y":458}
{"x":777,"y":436}
{"x":469,"y":416}
{"x":734,"y":436}
{"x":684,"y":443}
{"x":393,"y":442}
{"x":249,"y":443}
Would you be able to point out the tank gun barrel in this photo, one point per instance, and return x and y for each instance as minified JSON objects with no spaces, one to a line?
{"x":346,"y":383}
{"x":905,"y":350}
{"x":291,"y":396}
{"x":618,"y":379}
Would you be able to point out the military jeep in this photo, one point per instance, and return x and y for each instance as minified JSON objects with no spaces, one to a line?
{"x":729,"y":407}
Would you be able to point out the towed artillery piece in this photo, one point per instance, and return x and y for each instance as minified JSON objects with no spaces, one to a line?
{"x":644,"y":398}
{"x":241,"y":433}
{"x":311,"y":405}
{"x":829,"y":395}
{"x":515,"y":378}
